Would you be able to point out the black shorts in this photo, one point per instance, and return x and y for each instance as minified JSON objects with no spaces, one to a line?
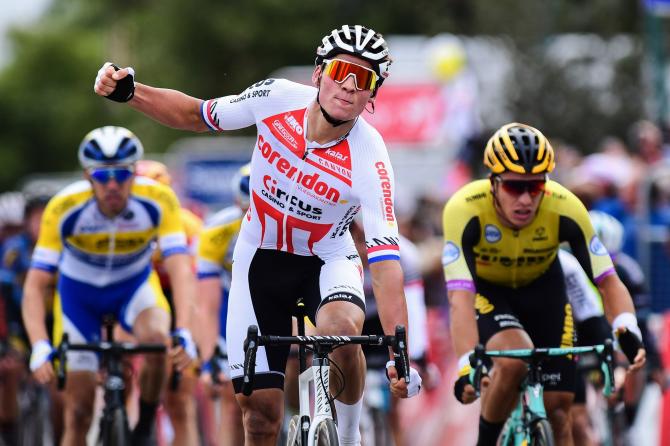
{"x":542,"y":310}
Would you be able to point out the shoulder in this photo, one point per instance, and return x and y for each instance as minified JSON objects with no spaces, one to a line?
{"x":69,"y":197}
{"x":363,"y":133}
{"x":474,"y":195}
{"x":149,"y":189}
{"x":559,"y":198}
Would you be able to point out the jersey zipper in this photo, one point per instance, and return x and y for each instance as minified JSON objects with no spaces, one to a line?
{"x":110,"y":250}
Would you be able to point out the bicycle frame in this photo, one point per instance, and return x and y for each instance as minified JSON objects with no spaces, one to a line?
{"x":531,"y":408}
{"x":318,"y":374}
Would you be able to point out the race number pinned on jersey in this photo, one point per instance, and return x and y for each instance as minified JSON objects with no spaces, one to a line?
{"x":597,"y":247}
{"x":450,"y":253}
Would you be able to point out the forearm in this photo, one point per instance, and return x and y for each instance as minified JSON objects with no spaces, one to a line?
{"x":208,"y":308}
{"x":616,"y":298}
{"x":464,"y":333}
{"x":182,"y":282}
{"x":388,"y":289}
{"x":171,"y":108}
{"x":33,"y":309}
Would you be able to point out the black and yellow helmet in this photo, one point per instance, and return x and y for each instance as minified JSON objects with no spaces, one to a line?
{"x":519,"y":148}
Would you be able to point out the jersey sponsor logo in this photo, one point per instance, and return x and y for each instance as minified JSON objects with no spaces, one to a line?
{"x":285,"y":133}
{"x":475,"y":197}
{"x":286,"y":128}
{"x":387,"y":200}
{"x":293,"y":123}
{"x":450,"y":253}
{"x":251,"y":93}
{"x":343,"y":226}
{"x":282,"y":199}
{"x":487,"y":259}
{"x":308,"y":182}
{"x":540,"y":234}
{"x":335,"y":161}
{"x":597,"y":247}
{"x":383,"y":242}
{"x":266,"y":213}
{"x":492,"y":234}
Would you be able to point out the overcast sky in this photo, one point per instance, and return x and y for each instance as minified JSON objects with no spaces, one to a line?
{"x":16,"y":12}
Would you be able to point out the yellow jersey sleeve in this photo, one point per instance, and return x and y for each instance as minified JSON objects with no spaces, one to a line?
{"x":461,"y":228}
{"x":49,"y":245}
{"x":170,"y":230}
{"x":214,"y":248}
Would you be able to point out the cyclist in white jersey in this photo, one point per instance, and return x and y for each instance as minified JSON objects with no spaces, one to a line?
{"x":316,"y":163}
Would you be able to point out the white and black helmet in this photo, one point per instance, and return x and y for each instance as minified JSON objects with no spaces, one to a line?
{"x":609,"y":230}
{"x":359,"y":41}
{"x":109,"y":145}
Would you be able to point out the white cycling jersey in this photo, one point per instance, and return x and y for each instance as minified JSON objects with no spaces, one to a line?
{"x":582,"y":295}
{"x":304,"y":195}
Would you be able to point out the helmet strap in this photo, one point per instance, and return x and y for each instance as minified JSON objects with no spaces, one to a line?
{"x":332,"y":121}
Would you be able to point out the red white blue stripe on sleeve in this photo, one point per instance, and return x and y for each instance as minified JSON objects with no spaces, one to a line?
{"x":383,"y":252}
{"x":208,"y":115}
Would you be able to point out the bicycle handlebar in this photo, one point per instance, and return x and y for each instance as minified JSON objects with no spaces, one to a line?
{"x":604,"y":351}
{"x":398,"y":342}
{"x":103,"y":347}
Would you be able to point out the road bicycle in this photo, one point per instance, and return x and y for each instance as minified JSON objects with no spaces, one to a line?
{"x":114,"y":428}
{"x":315,"y":426}
{"x":528,"y":423}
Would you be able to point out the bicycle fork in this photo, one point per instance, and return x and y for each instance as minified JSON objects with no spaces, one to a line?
{"x":319,"y":373}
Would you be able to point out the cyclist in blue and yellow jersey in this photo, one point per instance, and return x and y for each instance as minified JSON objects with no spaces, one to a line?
{"x":215,"y":261}
{"x":180,"y":402}
{"x":99,"y":235}
{"x":505,"y":283}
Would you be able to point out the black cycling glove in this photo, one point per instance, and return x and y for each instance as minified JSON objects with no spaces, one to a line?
{"x":125,"y":88}
{"x":630,"y":344}
{"x":459,"y":387}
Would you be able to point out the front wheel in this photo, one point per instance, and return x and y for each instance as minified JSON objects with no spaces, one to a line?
{"x":293,"y":434}
{"x":541,"y":433}
{"x":325,"y":434}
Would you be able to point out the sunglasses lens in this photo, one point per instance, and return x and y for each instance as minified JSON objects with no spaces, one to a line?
{"x":339,"y":70}
{"x":519,"y":187}
{"x":104,"y":175}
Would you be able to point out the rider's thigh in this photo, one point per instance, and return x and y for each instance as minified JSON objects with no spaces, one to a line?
{"x":262,"y":411}
{"x":509,"y":370}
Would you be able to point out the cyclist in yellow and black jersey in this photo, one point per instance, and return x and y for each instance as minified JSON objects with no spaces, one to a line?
{"x":504,"y":279}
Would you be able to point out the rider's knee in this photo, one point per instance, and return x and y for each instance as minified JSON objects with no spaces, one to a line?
{"x":510,"y":370}
{"x":560,"y":421}
{"x":79,"y":415}
{"x":340,"y":325}
{"x":262,"y":422}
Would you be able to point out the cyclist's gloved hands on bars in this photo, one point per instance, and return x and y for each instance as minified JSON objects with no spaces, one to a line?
{"x":464,"y":391}
{"x":414,"y":385}
{"x":114,"y":83}
{"x":186,"y":345}
{"x":629,"y":339}
{"x":41,"y":354}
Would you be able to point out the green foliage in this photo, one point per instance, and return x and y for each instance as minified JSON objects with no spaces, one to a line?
{"x":210,"y":48}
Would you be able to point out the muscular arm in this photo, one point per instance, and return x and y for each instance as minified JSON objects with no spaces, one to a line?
{"x":387,"y":284}
{"x":182,"y":282}
{"x":209,"y":305}
{"x":35,"y":293}
{"x":616,"y":298}
{"x":463,"y":321}
{"x":171,"y":108}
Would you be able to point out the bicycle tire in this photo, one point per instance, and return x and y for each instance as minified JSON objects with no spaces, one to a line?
{"x":541,"y":433}
{"x":325,"y":434}
{"x":293,"y":431}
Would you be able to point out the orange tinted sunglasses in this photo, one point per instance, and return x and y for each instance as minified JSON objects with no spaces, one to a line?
{"x":339,"y":70}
